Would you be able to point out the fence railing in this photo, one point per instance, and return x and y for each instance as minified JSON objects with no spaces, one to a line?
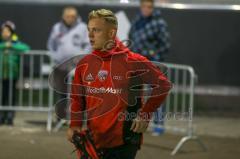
{"x":24,"y":83}
{"x":32,"y":93}
{"x":179,"y":105}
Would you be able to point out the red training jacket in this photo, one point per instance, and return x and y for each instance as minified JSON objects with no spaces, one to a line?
{"x":105,"y":85}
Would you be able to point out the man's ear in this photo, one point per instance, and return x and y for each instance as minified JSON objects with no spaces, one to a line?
{"x":113,"y":33}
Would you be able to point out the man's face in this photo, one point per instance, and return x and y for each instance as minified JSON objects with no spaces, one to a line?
{"x":69,"y":16}
{"x":6,"y":33}
{"x":99,"y":33}
{"x":146,"y":9}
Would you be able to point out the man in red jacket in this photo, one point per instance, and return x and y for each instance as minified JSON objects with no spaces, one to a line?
{"x":107,"y":88}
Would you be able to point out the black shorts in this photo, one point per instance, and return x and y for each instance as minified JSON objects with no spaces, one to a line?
{"x":121,"y":152}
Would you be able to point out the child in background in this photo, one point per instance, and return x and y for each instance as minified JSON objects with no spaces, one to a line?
{"x":10,"y":50}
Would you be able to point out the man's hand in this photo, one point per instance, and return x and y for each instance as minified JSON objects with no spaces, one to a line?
{"x":139,"y":125}
{"x":71,"y":131}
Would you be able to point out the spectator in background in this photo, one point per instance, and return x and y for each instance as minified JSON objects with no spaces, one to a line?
{"x":10,"y":48}
{"x":149,"y":32}
{"x":150,"y":37}
{"x":68,"y":38}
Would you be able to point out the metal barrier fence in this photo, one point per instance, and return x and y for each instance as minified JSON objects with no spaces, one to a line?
{"x":34,"y":94}
{"x":179,"y":105}
{"x":31,"y":92}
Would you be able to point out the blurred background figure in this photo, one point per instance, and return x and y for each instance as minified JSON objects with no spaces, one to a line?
{"x":68,"y":38}
{"x":150,"y":37}
{"x":149,"y":32}
{"x":10,"y":48}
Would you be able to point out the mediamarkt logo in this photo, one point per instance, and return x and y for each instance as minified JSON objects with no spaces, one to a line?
{"x":104,"y":90}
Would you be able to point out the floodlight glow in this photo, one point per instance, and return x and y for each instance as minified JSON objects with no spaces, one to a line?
{"x":179,"y":6}
{"x":236,"y":7}
{"x":124,"y":1}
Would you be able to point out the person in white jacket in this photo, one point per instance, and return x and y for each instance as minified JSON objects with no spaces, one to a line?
{"x":69,"y":37}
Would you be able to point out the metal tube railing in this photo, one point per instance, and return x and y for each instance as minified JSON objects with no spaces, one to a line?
{"x":180,"y":101}
{"x":27,"y":86}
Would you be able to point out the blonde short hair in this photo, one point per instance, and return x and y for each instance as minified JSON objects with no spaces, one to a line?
{"x":106,"y":14}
